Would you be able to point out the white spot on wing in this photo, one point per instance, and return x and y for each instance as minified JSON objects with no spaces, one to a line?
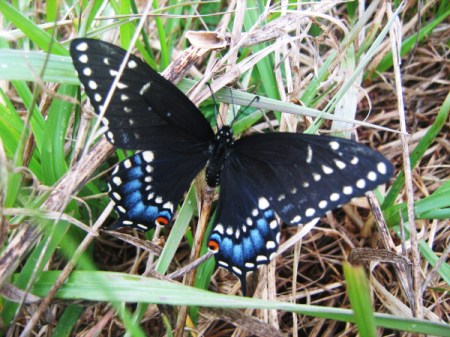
{"x":141,"y":226}
{"x":83,"y":46}
{"x":372,"y":176}
{"x":219,"y":229}
{"x":309,"y":155}
{"x":334,"y":197}
{"x":261,"y":258}
{"x":132,"y":64}
{"x":117,"y":181}
{"x":83,"y":58}
{"x":168,"y":205}
{"x":310,"y":212}
{"x":347,"y":190}
{"x":340,"y":164}
{"x":273,"y":224}
{"x":361,"y":183}
{"x":127,"y":163}
{"x":237,"y":270}
{"x":93,"y":85}
{"x":326,"y":169}
{"x":145,"y":88}
{"x":334,"y":145}
{"x":110,"y":136}
{"x":296,"y":219}
{"x":87,"y":71}
{"x":148,"y":156}
{"x":270,"y":245}
{"x":263,"y":203}
{"x":121,"y":85}
{"x":381,"y":167}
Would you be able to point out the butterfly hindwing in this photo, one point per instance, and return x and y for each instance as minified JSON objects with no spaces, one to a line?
{"x":145,"y":194}
{"x":246,"y":231}
{"x":145,"y":109}
{"x":304,"y":176}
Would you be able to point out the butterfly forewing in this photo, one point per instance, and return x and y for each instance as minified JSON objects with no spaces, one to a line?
{"x":303,"y":176}
{"x":146,"y":110}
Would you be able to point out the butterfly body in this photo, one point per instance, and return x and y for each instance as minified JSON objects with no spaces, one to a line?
{"x":219,"y":151}
{"x":298,"y":177}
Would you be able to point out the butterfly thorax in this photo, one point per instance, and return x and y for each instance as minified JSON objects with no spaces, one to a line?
{"x":218,"y":152}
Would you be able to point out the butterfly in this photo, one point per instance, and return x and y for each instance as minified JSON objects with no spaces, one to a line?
{"x":262,"y":177}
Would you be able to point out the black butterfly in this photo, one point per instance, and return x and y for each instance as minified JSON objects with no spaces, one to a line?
{"x":299,"y":177}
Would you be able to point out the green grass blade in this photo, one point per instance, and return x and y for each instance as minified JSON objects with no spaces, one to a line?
{"x":101,"y":286}
{"x":359,"y":293}
{"x":40,"y":37}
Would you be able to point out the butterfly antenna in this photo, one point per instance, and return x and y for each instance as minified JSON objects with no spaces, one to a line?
{"x":216,"y":112}
{"x":255,"y":99}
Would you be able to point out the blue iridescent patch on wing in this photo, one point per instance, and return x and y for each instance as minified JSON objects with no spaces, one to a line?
{"x":134,"y":196}
{"x":251,"y":241}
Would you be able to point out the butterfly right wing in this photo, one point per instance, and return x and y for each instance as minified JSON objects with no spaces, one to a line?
{"x":149,"y":113}
{"x":145,"y":109}
{"x":147,"y":187}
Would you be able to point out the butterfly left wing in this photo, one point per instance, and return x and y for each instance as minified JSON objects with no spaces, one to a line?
{"x":304,"y":176}
{"x":246,"y":231}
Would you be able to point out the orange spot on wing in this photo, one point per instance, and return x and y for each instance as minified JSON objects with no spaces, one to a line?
{"x":213,"y":245}
{"x":161,"y":221}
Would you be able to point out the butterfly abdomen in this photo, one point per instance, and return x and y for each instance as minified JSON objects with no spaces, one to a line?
{"x":219,"y":150}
